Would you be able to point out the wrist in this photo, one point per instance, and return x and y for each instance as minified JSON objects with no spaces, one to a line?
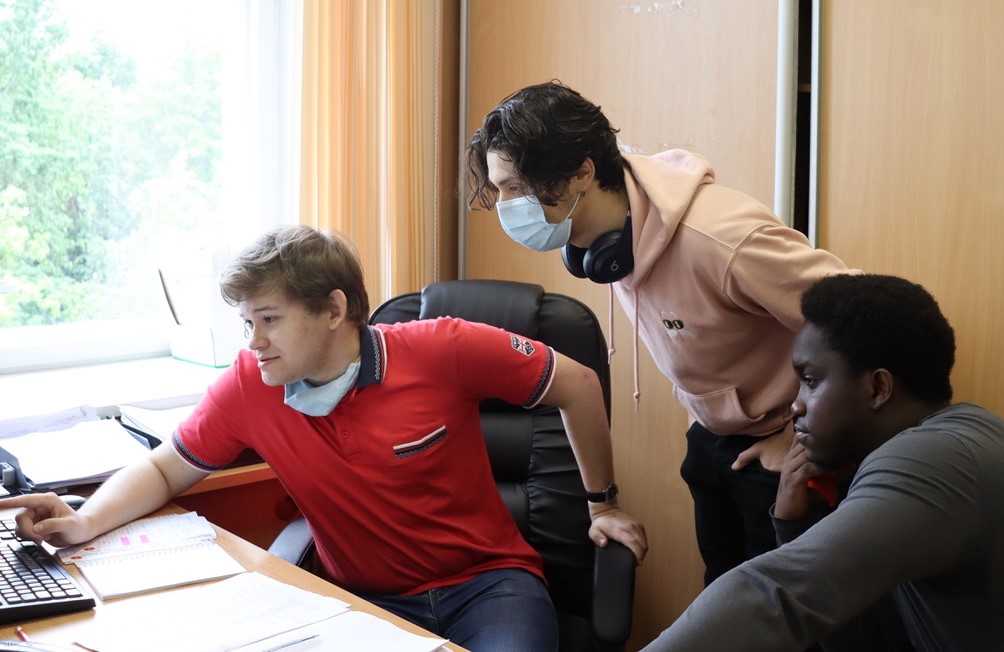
{"x":600,"y":509}
{"x":607,"y":496}
{"x":788,"y":512}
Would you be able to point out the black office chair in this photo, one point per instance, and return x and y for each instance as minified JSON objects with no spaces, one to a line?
{"x":536,"y":473}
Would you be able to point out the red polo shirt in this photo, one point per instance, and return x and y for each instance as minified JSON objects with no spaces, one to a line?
{"x":395,"y":482}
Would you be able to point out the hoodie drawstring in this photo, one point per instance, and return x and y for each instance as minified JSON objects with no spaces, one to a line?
{"x":611,"y":349}
{"x":637,"y":381}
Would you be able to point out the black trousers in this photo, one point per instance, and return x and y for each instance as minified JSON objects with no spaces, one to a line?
{"x":731,"y":508}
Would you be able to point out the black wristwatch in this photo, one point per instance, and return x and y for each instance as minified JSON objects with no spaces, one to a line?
{"x":608,"y":495}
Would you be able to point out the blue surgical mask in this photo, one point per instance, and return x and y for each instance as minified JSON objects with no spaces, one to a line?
{"x":320,"y":401}
{"x":523,"y":220}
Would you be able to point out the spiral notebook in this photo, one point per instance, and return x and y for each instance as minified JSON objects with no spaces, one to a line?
{"x":152,"y":553}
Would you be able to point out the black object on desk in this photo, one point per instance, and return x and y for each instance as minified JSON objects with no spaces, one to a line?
{"x":140,"y":434}
{"x":33,"y":584}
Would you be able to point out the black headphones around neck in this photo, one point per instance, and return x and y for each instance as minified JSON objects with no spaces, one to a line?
{"x":607,"y":260}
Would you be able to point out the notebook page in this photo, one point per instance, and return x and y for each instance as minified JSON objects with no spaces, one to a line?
{"x":145,"y":534}
{"x":158,"y":569}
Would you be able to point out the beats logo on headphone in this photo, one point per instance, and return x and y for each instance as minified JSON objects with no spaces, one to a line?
{"x":607,"y":260}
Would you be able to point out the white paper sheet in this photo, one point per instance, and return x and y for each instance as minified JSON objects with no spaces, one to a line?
{"x":352,"y":631}
{"x":219,"y":617}
{"x":46,"y":422}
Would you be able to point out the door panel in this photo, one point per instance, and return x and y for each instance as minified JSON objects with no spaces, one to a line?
{"x":698,"y":75}
{"x":911,"y":161}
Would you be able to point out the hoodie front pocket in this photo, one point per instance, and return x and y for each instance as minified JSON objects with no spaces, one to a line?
{"x":719,"y":411}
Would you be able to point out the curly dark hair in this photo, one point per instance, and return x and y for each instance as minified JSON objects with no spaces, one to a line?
{"x":547,"y":131}
{"x":875,"y":321}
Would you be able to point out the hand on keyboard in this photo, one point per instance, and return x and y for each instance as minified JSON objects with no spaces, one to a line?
{"x":45,"y":517}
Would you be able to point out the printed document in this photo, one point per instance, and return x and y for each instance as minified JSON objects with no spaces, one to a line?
{"x":247,"y":613}
{"x":218,"y":617}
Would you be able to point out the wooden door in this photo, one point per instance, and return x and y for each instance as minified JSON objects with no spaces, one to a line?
{"x":698,"y":74}
{"x":912,"y":157}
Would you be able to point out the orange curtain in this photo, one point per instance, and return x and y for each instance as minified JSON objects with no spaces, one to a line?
{"x":372,"y":142}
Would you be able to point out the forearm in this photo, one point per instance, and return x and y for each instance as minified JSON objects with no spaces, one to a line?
{"x":790,"y":529}
{"x":736,"y":599}
{"x":137,"y":490}
{"x":782,"y":600}
{"x":131,"y":493}
{"x":576,"y":392}
{"x":584,"y":416}
{"x":892,"y":528}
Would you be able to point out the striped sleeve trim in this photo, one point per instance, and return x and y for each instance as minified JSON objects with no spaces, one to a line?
{"x":190,"y":457}
{"x":544,"y":382}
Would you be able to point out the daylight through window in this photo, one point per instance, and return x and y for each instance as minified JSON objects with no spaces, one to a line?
{"x":112,"y":157}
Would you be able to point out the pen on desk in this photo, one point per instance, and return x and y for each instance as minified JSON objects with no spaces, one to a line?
{"x":21,"y":634}
{"x":283,"y":646}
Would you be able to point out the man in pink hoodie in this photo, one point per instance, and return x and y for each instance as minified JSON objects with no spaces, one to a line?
{"x":708,"y":276}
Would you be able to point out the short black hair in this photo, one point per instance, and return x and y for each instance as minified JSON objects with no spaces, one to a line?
{"x":876,"y":321}
{"x":546,"y":131}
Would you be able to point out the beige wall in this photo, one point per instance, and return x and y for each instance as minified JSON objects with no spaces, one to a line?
{"x":698,"y":75}
{"x":912,"y":161}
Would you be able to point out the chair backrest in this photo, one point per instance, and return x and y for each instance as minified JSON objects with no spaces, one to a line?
{"x":532,"y":461}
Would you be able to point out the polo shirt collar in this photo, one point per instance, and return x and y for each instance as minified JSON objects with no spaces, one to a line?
{"x":372,"y":357}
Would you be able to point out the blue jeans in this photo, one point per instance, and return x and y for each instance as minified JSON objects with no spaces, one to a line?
{"x":506,"y":610}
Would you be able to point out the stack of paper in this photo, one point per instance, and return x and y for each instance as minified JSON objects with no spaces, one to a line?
{"x":151,"y":553}
{"x":87,"y":452}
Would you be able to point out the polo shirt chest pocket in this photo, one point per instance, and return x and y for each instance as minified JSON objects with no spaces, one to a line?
{"x":421,"y":446}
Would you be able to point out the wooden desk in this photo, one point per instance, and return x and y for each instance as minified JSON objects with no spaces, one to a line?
{"x":246,"y":500}
{"x":63,"y":630}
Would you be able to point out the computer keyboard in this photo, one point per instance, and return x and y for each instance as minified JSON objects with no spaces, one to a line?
{"x":33,"y":584}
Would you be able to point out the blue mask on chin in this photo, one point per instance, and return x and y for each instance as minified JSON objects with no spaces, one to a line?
{"x":321,"y":400}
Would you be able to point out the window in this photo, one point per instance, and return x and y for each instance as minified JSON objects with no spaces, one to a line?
{"x":135,"y":138}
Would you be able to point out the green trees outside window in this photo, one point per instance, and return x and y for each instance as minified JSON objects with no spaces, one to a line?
{"x":103,"y":165}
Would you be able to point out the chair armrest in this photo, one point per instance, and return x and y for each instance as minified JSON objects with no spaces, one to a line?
{"x":613,"y":592}
{"x":295,"y":543}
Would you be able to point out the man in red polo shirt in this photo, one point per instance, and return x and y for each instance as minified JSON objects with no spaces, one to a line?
{"x":374,"y":431}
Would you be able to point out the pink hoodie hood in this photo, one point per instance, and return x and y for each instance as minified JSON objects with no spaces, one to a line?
{"x":669,"y":180}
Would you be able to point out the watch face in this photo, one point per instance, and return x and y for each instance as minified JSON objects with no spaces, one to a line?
{"x":608,"y":495}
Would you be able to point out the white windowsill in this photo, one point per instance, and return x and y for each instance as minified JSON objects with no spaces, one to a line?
{"x":161,"y":382}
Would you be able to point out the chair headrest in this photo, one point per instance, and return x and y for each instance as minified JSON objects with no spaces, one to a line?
{"x":509,"y":305}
